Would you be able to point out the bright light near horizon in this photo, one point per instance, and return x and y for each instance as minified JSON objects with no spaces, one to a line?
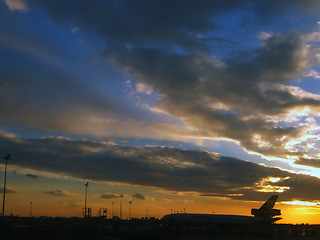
{"x":274,"y":180}
{"x":302,"y":203}
{"x":264,"y":185}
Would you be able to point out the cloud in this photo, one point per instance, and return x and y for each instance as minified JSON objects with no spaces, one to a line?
{"x":29,"y":175}
{"x":9,"y":190}
{"x":264,"y":35}
{"x":109,"y":195}
{"x":153,"y":26}
{"x":16,"y":5}
{"x":164,"y":21}
{"x":139,"y":196}
{"x":165,"y":168}
{"x":179,"y":78}
{"x":141,"y":88}
{"x":313,"y":162}
{"x":208,"y":81}
{"x":60,"y":193}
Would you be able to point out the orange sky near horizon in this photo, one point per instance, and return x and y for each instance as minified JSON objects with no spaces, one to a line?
{"x":66,"y":199}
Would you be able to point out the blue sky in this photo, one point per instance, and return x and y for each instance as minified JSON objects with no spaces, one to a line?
{"x":236,"y":78}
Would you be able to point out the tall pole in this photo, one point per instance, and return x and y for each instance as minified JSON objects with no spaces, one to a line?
{"x":112,"y":209}
{"x":121,"y":196}
{"x":30,"y":209}
{"x":6,"y":158}
{"x":130,"y":210}
{"x":85,"y":201}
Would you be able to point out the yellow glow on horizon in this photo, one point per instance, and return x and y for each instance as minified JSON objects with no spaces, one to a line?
{"x":302,"y":203}
{"x":297,"y":214}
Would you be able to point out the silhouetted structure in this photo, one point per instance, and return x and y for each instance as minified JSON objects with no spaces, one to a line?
{"x":121,"y":196}
{"x":130,"y":210}
{"x":30,"y":209}
{"x":6,"y":158}
{"x":112,"y":209}
{"x":263,"y":215}
{"x":99,"y":228}
{"x":87,"y":212}
{"x":102,"y":213}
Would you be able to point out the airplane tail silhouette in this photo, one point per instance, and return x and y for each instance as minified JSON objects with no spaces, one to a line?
{"x":266,"y":210}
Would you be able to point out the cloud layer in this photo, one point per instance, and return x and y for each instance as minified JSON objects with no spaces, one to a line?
{"x":165,"y":168}
{"x":210,"y":69}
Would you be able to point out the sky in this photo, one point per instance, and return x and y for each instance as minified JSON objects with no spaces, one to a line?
{"x":208,"y":106}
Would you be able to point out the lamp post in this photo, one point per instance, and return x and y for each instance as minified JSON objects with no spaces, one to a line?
{"x":85,"y":201}
{"x":112,"y":209}
{"x":130,"y":210}
{"x":6,"y":158}
{"x":121,"y":196}
{"x":30,"y":209}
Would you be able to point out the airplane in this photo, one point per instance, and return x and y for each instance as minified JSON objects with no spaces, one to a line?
{"x":263,"y":215}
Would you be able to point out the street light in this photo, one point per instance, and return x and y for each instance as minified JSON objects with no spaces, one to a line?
{"x":112,"y":209}
{"x":130,"y":210}
{"x":30,"y":209}
{"x":121,"y":196}
{"x":85,"y":201}
{"x":6,"y":158}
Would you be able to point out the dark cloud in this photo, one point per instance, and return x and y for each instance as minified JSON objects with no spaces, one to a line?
{"x":249,"y":84}
{"x":162,"y":167}
{"x":161,"y":20}
{"x":109,"y":195}
{"x":174,"y":47}
{"x":153,"y":21}
{"x":195,"y":85}
{"x":139,"y":196}
{"x":29,"y":175}
{"x":313,"y":162}
{"x":54,"y":81}
{"x":59,"y":193}
{"x":52,"y":85}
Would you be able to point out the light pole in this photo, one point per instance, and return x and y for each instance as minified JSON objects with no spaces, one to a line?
{"x":112,"y":209}
{"x":85,"y":201}
{"x":6,"y":158}
{"x":30,"y":209}
{"x":121,"y":196}
{"x":130,"y":210}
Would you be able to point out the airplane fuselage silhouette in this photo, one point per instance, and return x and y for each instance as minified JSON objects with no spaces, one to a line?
{"x":265,"y":214}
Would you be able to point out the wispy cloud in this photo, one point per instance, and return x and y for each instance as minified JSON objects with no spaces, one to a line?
{"x":29,"y":175}
{"x":139,"y":196}
{"x":10,"y":190}
{"x":109,"y":196}
{"x":60,"y":193}
{"x":16,"y":5}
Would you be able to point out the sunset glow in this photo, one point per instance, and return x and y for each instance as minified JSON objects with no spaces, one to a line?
{"x":198,"y":106}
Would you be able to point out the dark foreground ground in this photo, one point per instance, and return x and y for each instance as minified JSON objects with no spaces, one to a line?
{"x":107,"y":229}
